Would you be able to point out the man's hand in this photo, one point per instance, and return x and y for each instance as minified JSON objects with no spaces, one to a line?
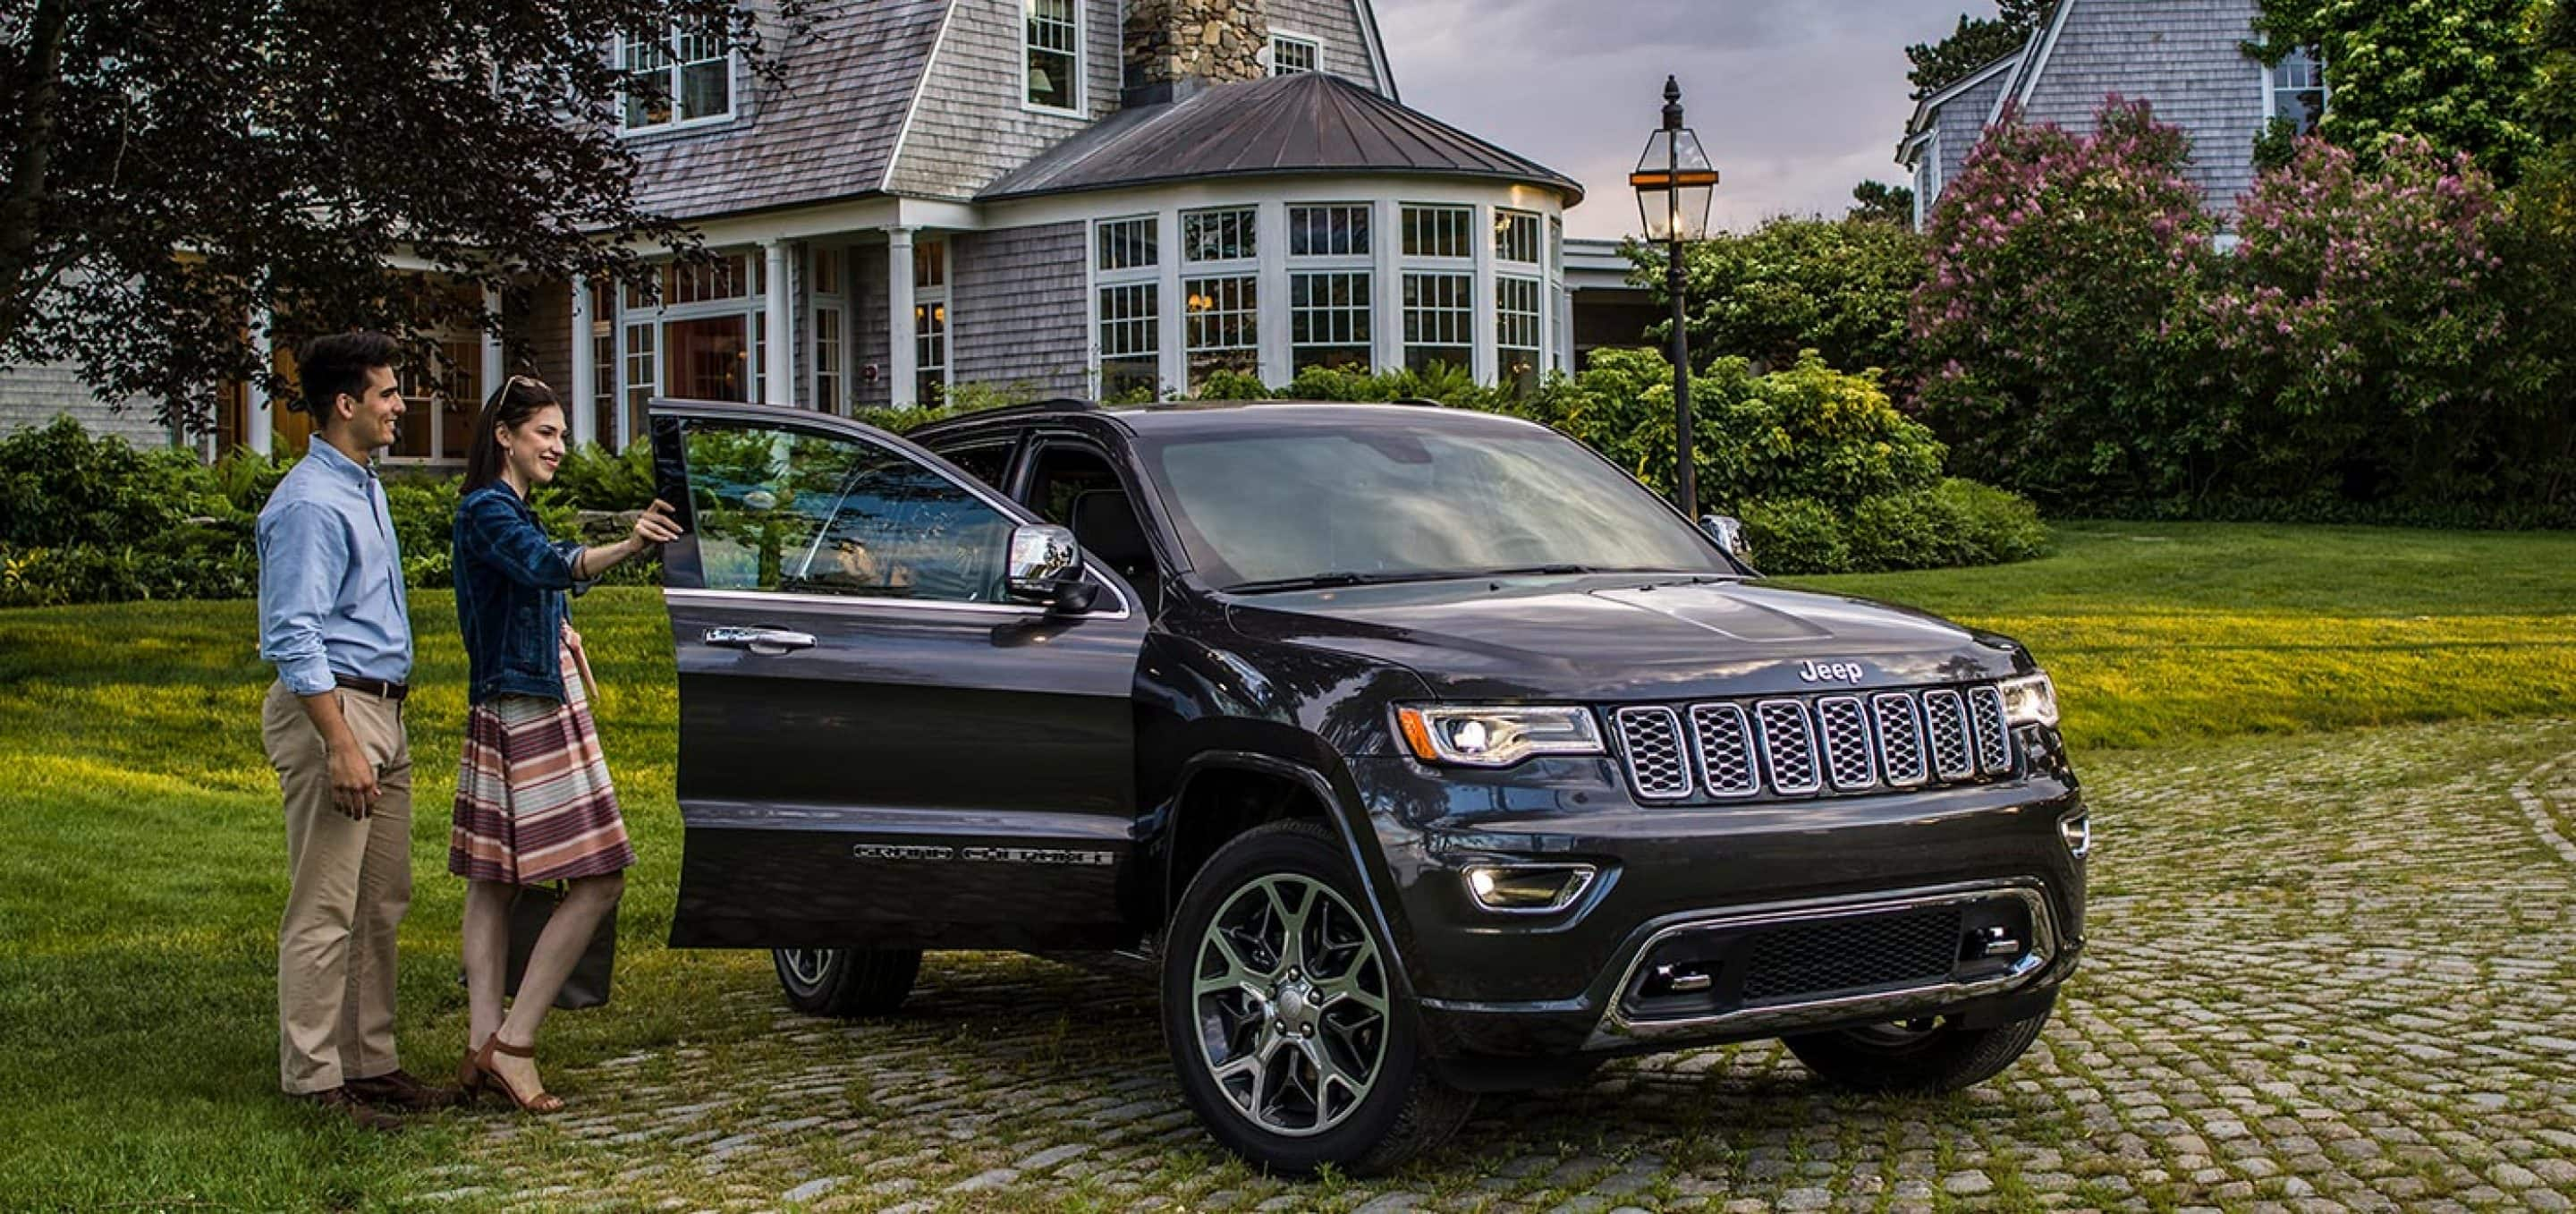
{"x":656,"y":526}
{"x":353,"y":781}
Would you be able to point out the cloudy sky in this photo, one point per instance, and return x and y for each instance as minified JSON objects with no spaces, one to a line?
{"x":1796,"y":100}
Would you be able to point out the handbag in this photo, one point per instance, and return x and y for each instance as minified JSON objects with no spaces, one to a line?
{"x":587,"y":985}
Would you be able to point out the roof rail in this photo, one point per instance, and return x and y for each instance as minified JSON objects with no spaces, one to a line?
{"x":1059,"y":404}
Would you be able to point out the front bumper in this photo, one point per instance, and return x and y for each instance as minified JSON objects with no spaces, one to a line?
{"x":1705,"y":884}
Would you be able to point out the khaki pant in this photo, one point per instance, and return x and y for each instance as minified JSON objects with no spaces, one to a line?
{"x":351,"y":883}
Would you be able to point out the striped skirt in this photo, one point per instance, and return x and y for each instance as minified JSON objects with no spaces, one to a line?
{"x":533,"y":801}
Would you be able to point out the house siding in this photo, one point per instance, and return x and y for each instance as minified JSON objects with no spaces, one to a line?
{"x":1337,"y":24}
{"x":826,"y":129}
{"x":2186,"y":57}
{"x":1018,"y":309}
{"x":971,"y":126}
{"x":868,"y":294}
{"x":541,"y":338}
{"x":34,"y":396}
{"x":1962,"y":123}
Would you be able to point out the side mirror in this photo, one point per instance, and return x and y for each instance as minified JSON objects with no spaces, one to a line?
{"x":1045,"y":568}
{"x":1728,"y":531}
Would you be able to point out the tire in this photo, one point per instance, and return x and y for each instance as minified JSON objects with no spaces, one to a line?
{"x":1914,"y":1057}
{"x":1256,"y":1087}
{"x":846,"y":982}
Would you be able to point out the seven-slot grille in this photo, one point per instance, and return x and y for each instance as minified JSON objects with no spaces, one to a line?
{"x":1798,"y":746}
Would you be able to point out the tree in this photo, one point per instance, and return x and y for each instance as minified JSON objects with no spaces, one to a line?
{"x":2454,"y":72}
{"x":1879,"y":202}
{"x":1837,"y":287}
{"x":1977,"y":42}
{"x":2066,"y":353}
{"x":173,"y":169}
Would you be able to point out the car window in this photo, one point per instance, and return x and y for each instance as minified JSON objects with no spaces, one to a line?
{"x":781,"y":510}
{"x":1064,"y":473}
{"x":986,"y":462}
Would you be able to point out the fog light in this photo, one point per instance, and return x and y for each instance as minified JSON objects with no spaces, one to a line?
{"x":2078,"y":833}
{"x":1528,"y":889}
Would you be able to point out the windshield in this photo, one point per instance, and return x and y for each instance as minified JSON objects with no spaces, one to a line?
{"x":1394,"y":499}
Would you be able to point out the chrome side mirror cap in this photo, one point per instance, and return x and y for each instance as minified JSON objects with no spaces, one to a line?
{"x":1728,"y":531}
{"x":1045,"y":568}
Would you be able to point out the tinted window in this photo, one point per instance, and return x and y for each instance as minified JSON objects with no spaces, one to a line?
{"x":783,"y":511}
{"x":989,"y":463}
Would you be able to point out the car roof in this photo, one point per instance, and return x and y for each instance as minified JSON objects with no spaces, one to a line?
{"x":1199,"y":417}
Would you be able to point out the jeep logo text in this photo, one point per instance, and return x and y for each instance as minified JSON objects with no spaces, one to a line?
{"x":1830,"y":672}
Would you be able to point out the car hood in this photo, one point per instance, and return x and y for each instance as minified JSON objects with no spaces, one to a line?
{"x":1605,"y":639}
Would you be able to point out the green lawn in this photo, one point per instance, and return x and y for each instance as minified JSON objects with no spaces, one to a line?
{"x":141,"y":860}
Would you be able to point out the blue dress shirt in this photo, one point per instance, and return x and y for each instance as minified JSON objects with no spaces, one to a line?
{"x":330,"y":576}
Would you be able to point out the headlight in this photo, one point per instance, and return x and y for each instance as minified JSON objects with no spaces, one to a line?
{"x":2029,"y":700}
{"x":1498,"y":736}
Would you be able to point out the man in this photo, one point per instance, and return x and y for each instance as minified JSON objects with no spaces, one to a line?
{"x":334,"y":622}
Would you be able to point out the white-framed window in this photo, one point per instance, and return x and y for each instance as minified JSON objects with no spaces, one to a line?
{"x":1516,"y":331}
{"x":1337,"y":229}
{"x":439,"y":402}
{"x":1051,"y":39}
{"x":1329,"y":314}
{"x":1294,"y":53}
{"x":1221,"y":331}
{"x":827,"y":271}
{"x":703,"y":340}
{"x":643,"y":379}
{"x":1127,"y":298}
{"x":602,"y":352}
{"x":1516,"y":237}
{"x":683,"y":77}
{"x":2295,"y":90}
{"x":1439,"y":320}
{"x":930,"y":322}
{"x":1220,"y":235}
{"x":1927,"y":180}
{"x":1438,"y":231}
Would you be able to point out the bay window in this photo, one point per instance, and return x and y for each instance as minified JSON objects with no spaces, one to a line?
{"x":1127,"y":318}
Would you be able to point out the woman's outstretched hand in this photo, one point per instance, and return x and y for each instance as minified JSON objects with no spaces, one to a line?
{"x":656,"y":526}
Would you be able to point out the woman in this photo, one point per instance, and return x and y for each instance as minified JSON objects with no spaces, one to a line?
{"x":533,"y":801}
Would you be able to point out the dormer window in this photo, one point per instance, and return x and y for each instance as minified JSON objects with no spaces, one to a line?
{"x":1053,"y":38}
{"x":680,"y":78}
{"x":2298,"y":90}
{"x":1291,"y":54}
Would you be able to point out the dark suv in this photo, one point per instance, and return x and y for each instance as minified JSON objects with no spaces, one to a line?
{"x":1428,"y":752}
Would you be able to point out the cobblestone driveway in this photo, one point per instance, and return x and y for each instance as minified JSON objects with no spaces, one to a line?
{"x":2325,"y":973}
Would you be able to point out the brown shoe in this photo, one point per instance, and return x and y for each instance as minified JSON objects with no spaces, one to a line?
{"x":397,"y":1089}
{"x":339,"y":1101}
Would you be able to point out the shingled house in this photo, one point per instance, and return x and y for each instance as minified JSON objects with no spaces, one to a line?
{"x":2186,"y":57}
{"x":1051,"y":196}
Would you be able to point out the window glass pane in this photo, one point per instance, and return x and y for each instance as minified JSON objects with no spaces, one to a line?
{"x":1127,"y":244}
{"x":827,"y":272}
{"x":827,"y":359}
{"x":1328,"y":320}
{"x":929,"y":264}
{"x":706,"y":89}
{"x":1339,"y":230}
{"x":799,"y":513}
{"x":1516,"y":236}
{"x":1291,"y":55}
{"x":1222,"y":325}
{"x":710,"y":358}
{"x":1438,"y":231}
{"x":988,"y":463}
{"x":1439,"y":320}
{"x":930,"y":352}
{"x":643,"y":377}
{"x":1055,"y":53}
{"x":1225,"y":235}
{"x":1516,"y":313}
{"x":1130,"y":349}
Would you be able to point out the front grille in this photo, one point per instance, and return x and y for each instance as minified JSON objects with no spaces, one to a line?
{"x":1809,"y":960}
{"x":1809,"y":745}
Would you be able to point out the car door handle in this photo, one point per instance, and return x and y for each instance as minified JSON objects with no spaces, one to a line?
{"x":769,"y":641}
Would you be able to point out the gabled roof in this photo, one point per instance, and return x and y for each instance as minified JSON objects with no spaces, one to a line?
{"x":1306,"y":123}
{"x":2032,"y":62}
{"x":1929,"y":108}
{"x":824,"y":132}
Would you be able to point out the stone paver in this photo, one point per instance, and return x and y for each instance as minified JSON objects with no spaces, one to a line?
{"x":2335,"y":972}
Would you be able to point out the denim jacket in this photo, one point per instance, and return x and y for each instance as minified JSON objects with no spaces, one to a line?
{"x":510,"y":603}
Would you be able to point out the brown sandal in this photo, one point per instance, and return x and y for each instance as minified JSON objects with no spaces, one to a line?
{"x":542,"y":1102}
{"x":471,"y":1078}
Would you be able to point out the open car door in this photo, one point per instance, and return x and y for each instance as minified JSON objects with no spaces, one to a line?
{"x":878,"y":748}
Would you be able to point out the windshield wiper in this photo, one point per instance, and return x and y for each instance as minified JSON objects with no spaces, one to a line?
{"x":1325,"y":581}
{"x":1542,"y":570}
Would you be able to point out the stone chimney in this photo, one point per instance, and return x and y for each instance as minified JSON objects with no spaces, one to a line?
{"x":1176,"y":47}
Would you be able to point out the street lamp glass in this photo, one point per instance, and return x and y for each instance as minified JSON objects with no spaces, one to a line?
{"x":1675,"y":184}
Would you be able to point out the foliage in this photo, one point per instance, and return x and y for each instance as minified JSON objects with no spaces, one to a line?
{"x":2452,"y":72}
{"x":1955,"y":523}
{"x":2065,"y":355}
{"x":1977,"y":42}
{"x":1839,"y":287}
{"x":341,"y":132}
{"x":1879,"y":202}
{"x":595,"y":478}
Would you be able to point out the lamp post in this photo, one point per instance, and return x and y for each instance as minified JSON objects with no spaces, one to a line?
{"x":1675,"y":183}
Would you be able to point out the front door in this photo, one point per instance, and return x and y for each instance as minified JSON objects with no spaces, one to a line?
{"x":877,"y":747}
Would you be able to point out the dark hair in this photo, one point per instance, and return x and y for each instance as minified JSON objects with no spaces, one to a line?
{"x":512,"y":404}
{"x":336,"y":364}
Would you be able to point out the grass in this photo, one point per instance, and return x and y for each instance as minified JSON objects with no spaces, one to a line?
{"x":141,"y":857}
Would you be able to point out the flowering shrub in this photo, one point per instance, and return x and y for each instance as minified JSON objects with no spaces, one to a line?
{"x":2064,"y":351}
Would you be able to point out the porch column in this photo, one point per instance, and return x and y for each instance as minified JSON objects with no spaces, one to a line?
{"x":777,"y":363}
{"x":1484,"y":353}
{"x":259,"y":421}
{"x":902,"y":356}
{"x":493,"y":366}
{"x":585,"y":374}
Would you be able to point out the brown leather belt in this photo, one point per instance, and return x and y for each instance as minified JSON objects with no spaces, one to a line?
{"x":375,"y":687}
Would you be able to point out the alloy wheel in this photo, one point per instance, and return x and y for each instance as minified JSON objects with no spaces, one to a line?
{"x":805,"y":966}
{"x":1290,"y":999}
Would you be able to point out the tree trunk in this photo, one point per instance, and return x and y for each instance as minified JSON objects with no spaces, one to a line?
{"x":22,"y":203}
